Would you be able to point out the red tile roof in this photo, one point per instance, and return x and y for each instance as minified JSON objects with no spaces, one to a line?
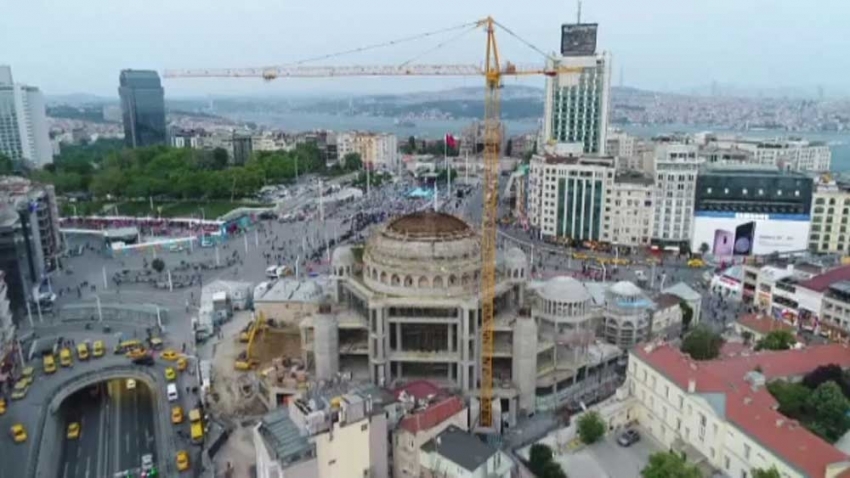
{"x":730,"y":349}
{"x":763,"y":324}
{"x":419,"y":389}
{"x":433,"y":415}
{"x":822,"y":282}
{"x":753,"y":410}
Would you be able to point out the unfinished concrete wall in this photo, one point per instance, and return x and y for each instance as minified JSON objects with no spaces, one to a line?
{"x":326,"y":346}
{"x":524,"y":366}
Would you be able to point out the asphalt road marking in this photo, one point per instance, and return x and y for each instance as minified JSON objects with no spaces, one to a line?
{"x":65,"y":472}
{"x":88,"y":466}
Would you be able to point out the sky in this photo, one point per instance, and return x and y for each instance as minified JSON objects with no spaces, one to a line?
{"x":80,"y":46}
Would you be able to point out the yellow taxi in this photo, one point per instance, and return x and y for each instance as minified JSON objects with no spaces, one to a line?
{"x":2,"y":406}
{"x":169,"y":355}
{"x":653,"y":260}
{"x":182,"y":461}
{"x":19,"y":433}
{"x":82,"y":351}
{"x":620,"y":262}
{"x":73,"y":431}
{"x":696,"y":263}
{"x":181,"y":364}
{"x":65,"y":357}
{"x":20,"y":390}
{"x":98,"y":349}
{"x":176,"y":415}
{"x":170,"y":374}
{"x":49,"y":364}
{"x":581,"y":256}
{"x":28,"y":373}
{"x":136,"y":353}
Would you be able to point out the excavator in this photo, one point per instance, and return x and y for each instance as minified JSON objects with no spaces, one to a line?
{"x":245,"y":361}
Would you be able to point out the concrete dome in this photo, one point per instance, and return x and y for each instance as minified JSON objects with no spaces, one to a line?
{"x":342,"y":256}
{"x":626,"y":289}
{"x":565,"y":289}
{"x":423,"y":254}
{"x":515,"y":258}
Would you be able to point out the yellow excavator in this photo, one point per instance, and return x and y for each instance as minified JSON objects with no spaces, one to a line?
{"x":245,"y":360}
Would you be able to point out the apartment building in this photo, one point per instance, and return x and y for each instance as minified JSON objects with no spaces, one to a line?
{"x":376,"y":150}
{"x":720,"y":413}
{"x":800,"y":301}
{"x":620,"y":144}
{"x":324,"y":436}
{"x":458,"y":454}
{"x":426,"y":420}
{"x":835,"y":311}
{"x":567,"y":196}
{"x":675,"y":169}
{"x":24,"y":135}
{"x":629,"y":211}
{"x":792,"y":155}
{"x":830,"y":215}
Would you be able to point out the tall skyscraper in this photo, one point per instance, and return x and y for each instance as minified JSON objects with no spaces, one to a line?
{"x":576,"y":108}
{"x":142,"y":107}
{"x":23,"y":123}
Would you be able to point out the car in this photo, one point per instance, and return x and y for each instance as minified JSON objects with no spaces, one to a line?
{"x":65,"y":357}
{"x":82,"y":351}
{"x":49,"y":364}
{"x":2,"y":406}
{"x":144,"y":360}
{"x":628,"y":438}
{"x":170,"y":374}
{"x":19,"y":433}
{"x":28,"y":373}
{"x":155,"y":343}
{"x":147,"y":462}
{"x":182,"y":364}
{"x":20,"y":391}
{"x":73,"y":431}
{"x":696,"y":263}
{"x":169,"y":355}
{"x":136,"y":352}
{"x":580,"y":256}
{"x":98,"y":348}
{"x":131,"y":384}
{"x":182,"y":460}
{"x":176,"y":414}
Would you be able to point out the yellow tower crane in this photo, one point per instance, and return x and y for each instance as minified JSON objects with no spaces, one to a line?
{"x":492,"y":71}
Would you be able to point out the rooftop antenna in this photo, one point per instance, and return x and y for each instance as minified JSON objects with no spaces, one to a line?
{"x":578,"y":17}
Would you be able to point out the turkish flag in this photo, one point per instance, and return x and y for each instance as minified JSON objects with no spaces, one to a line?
{"x":451,"y":142}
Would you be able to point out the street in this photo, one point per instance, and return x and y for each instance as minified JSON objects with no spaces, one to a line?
{"x":116,"y":430}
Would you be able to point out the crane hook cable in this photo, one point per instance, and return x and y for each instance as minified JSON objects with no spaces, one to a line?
{"x":439,"y":45}
{"x":523,"y":41}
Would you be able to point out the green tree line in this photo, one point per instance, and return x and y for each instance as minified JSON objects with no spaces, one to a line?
{"x":105,"y":168}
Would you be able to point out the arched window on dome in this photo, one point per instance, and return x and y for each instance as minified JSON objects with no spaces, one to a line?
{"x":464,"y":280}
{"x":423,"y":282}
{"x":408,"y":281}
{"x":438,"y":282}
{"x":383,"y":277}
{"x":452,"y":280}
{"x":395,"y":280}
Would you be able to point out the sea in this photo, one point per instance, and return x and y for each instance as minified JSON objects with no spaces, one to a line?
{"x":437,"y":128}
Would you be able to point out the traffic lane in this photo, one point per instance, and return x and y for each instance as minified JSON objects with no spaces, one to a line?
{"x":79,"y":456}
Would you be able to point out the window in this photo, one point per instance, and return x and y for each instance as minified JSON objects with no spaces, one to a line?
{"x":667,"y":392}
{"x":702,"y":427}
{"x":746,"y":451}
{"x":681,"y":401}
{"x":726,"y":462}
{"x":364,"y":427}
{"x":332,"y":462}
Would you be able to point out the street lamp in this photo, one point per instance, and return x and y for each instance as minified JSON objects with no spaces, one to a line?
{"x":99,"y":309}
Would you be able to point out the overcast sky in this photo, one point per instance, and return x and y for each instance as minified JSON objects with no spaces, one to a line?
{"x":79,"y":46}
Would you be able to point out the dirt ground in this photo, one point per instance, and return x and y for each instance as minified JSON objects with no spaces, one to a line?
{"x":274,"y":343}
{"x":239,"y":452}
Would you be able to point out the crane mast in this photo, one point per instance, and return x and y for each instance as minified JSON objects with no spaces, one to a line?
{"x":492,"y":71}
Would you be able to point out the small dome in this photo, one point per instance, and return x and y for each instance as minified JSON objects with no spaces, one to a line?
{"x":515,"y":258}
{"x":342,"y":256}
{"x":565,"y":289}
{"x":626,"y":288}
{"x":428,"y":224}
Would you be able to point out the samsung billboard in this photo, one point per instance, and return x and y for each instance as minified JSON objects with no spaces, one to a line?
{"x":744,"y":234}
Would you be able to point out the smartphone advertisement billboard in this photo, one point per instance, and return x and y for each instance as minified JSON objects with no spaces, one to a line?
{"x":742,"y":234}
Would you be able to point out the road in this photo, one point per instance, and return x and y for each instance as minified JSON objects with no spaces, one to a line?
{"x":116,"y":430}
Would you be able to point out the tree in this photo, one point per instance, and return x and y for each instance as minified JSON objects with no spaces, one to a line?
{"x":509,"y":147}
{"x":747,"y":336}
{"x":829,"y":410}
{"x":220,"y":158}
{"x":552,"y":470}
{"x":703,"y":248}
{"x":777,"y":340}
{"x":352,"y":162}
{"x":411,"y":144}
{"x":702,"y":343}
{"x":687,"y":314}
{"x":591,"y":427}
{"x":827,"y":373}
{"x":6,"y":165}
{"x":792,"y":397}
{"x":538,"y":457}
{"x":158,"y":265}
{"x":666,"y":464}
{"x":771,"y":472}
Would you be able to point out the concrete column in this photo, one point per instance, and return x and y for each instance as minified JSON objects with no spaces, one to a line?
{"x":524,"y":364}
{"x":450,"y":336}
{"x":398,"y":337}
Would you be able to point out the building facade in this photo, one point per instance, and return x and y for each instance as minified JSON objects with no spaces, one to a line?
{"x":459,"y":454}
{"x":24,"y":136}
{"x":629,"y":210}
{"x":620,"y":145}
{"x":142,"y":108}
{"x":376,"y":150}
{"x":675,"y":168}
{"x":785,"y":154}
{"x":420,"y":426}
{"x":577,"y":102}
{"x":830,"y":216}
{"x":567,"y":196}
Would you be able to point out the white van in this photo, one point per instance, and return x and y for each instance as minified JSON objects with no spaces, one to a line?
{"x":171,"y":391}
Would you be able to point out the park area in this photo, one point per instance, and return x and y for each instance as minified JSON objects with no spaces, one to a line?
{"x":206,"y":209}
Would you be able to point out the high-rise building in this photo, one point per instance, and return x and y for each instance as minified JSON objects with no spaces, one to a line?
{"x":629,"y":211}
{"x":242,"y":148}
{"x":830,"y":231}
{"x":567,"y":196}
{"x":142,"y":107}
{"x":675,"y":168}
{"x":24,"y":135}
{"x":576,"y":104}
